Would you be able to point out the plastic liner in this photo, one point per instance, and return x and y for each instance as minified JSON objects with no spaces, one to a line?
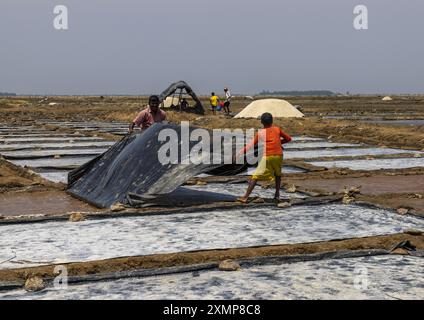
{"x":132,"y":166}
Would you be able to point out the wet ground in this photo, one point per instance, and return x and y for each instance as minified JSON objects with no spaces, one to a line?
{"x":40,"y":203}
{"x":375,"y":185}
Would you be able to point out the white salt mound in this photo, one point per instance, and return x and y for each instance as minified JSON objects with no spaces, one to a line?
{"x":387,"y":98}
{"x":277,"y":107}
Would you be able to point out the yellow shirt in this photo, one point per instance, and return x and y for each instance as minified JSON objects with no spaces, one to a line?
{"x":214,"y":101}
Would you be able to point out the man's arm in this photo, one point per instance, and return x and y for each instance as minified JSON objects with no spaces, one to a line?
{"x":136,"y":122}
{"x":250,"y":144}
{"x":131,"y":127}
{"x":285,"y":136}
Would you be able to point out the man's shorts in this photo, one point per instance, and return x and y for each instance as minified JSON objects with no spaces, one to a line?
{"x":268,"y":168}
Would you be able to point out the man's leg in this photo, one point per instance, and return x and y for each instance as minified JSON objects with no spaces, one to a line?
{"x":226,"y":107}
{"x":277,"y":187}
{"x":252,"y":184}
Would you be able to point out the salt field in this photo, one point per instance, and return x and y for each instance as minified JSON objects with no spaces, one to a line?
{"x":379,"y":277}
{"x":374,"y":164}
{"x":59,"y":242}
{"x":262,"y":165}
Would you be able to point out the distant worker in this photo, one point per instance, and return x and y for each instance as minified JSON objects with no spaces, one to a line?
{"x":214,"y":100}
{"x":227,"y":101}
{"x":269,"y":167}
{"x":149,"y":115}
{"x":184,"y":104}
{"x":220,"y":106}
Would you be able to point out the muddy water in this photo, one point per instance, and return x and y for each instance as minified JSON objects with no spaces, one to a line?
{"x":47,"y":202}
{"x":383,"y":277}
{"x":58,"y":242}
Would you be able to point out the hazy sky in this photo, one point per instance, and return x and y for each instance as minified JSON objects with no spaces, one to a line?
{"x":141,"y":46}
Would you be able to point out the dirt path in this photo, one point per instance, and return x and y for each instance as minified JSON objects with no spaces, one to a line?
{"x":40,"y":202}
{"x":375,"y":185}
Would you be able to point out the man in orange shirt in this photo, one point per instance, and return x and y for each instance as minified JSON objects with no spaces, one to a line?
{"x":269,"y":167}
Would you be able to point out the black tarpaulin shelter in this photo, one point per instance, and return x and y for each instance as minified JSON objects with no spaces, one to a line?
{"x":132,"y":167}
{"x":180,"y":88}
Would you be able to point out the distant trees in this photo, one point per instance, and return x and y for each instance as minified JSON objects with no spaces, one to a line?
{"x":3,"y":94}
{"x":298,"y":93}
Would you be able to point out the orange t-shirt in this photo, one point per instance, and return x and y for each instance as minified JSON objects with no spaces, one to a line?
{"x":272,"y":141}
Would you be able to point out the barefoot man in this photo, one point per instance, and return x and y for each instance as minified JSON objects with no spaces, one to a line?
{"x":269,"y":167}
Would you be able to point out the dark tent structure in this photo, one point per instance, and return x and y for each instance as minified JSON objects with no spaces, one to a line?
{"x":132,"y":169}
{"x":180,"y":88}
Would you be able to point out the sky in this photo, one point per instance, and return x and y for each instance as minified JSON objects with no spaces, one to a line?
{"x":141,"y":46}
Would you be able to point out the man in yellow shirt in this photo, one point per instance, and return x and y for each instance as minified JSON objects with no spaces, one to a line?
{"x":214,"y":100}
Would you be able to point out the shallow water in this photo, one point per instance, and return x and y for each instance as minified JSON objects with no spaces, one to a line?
{"x":40,"y":134}
{"x":418,"y":122}
{"x":240,"y":188}
{"x":306,"y":138}
{"x":378,"y":277}
{"x":310,"y":154}
{"x":317,"y":144}
{"x":22,"y":146}
{"x":49,"y":162}
{"x":375,"y":164}
{"x":58,"y":242}
{"x":286,"y":169}
{"x":52,"y":152}
{"x":31,"y":139}
{"x":55,"y":176}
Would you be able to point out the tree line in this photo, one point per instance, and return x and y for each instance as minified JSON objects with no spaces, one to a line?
{"x":297,"y":93}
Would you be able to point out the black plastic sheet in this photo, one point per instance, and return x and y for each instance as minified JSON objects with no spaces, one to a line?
{"x":182,"y":85}
{"x":132,"y":166}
